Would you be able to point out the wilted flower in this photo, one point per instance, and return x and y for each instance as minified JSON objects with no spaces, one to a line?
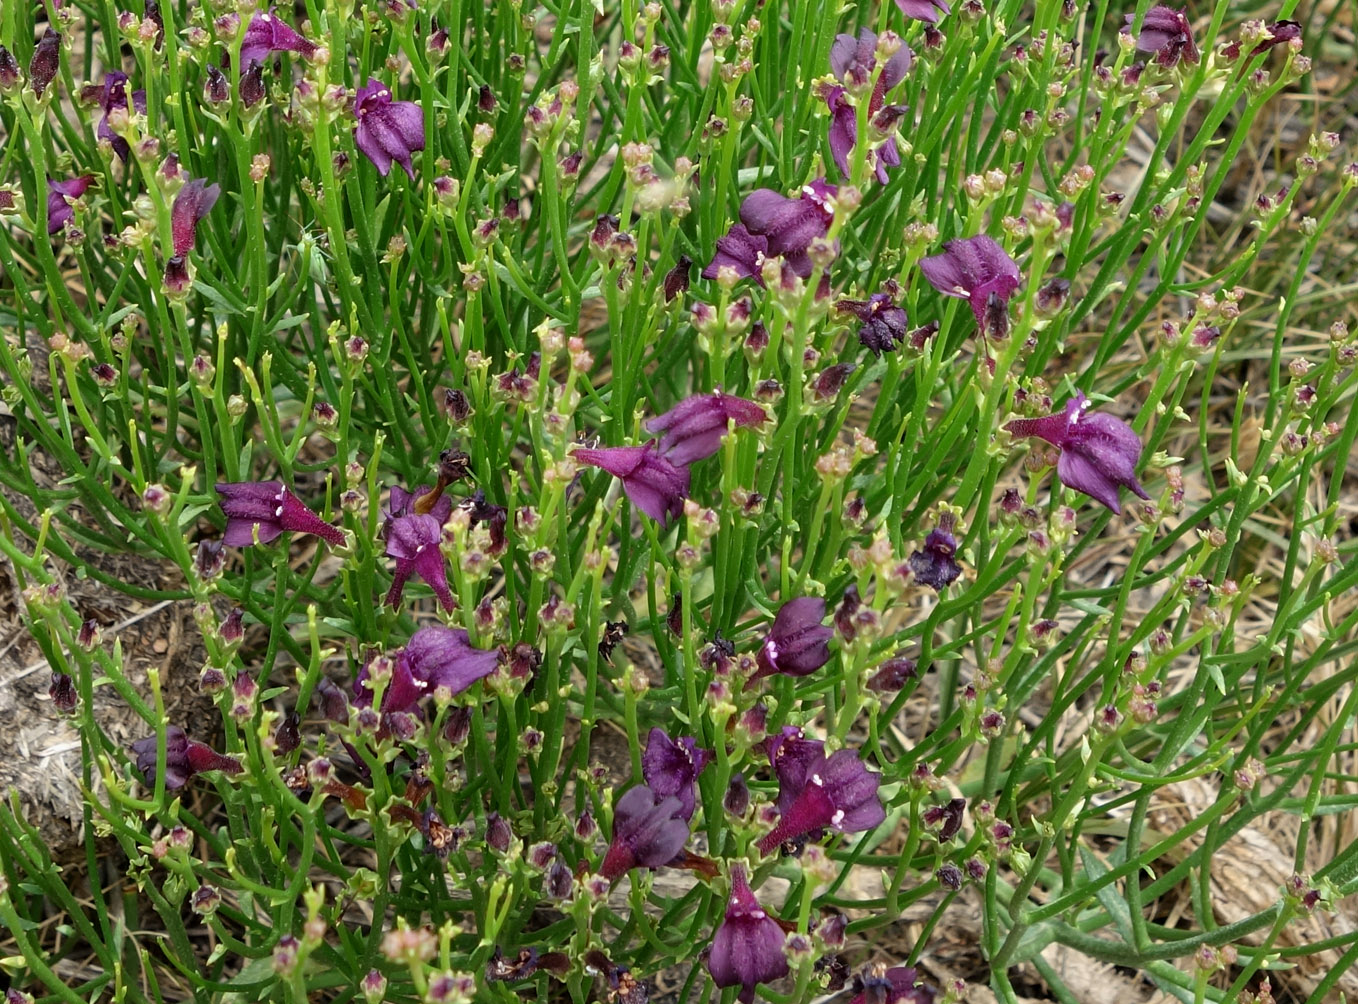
{"x":267,"y":33}
{"x":694,"y":428}
{"x":817,"y":792}
{"x":1166,"y":33}
{"x":1279,"y":33}
{"x":62,"y":692}
{"x":883,"y":323}
{"x":798,"y":643}
{"x":268,"y":508}
{"x":184,"y":757}
{"x":387,"y":130}
{"x":852,"y":60}
{"x":648,"y":832}
{"x":935,"y":564}
{"x":193,"y":202}
{"x":892,"y":986}
{"x":975,"y":269}
{"x":58,"y":209}
{"x":655,"y":485}
{"x":927,"y":11}
{"x":1099,"y":453}
{"x":747,"y":948}
{"x":671,"y":767}
{"x":772,"y":225}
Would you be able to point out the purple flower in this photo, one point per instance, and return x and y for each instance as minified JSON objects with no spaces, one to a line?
{"x":772,"y":225}
{"x":649,"y":831}
{"x":927,"y":11}
{"x":693,"y":429}
{"x":193,"y":202}
{"x":444,"y":657}
{"x":893,"y":986}
{"x":272,"y":508}
{"x":1279,"y":33}
{"x":111,"y":94}
{"x":1099,"y":453}
{"x":42,"y":68}
{"x":267,"y":33}
{"x":1166,"y":33}
{"x":747,"y":949}
{"x":655,"y":485}
{"x":852,"y":60}
{"x":884,"y":325}
{"x":413,"y":541}
{"x":671,"y":767}
{"x":387,"y":130}
{"x":58,"y":209}
{"x":184,"y":757}
{"x":978,"y":270}
{"x":935,"y":564}
{"x":798,"y":643}
{"x":817,"y":792}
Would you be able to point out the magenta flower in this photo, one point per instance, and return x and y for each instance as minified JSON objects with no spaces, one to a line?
{"x":671,"y":768}
{"x":852,"y":60}
{"x":184,"y":757}
{"x":269,"y":508}
{"x":387,"y":130}
{"x":648,"y":832}
{"x":413,"y":541}
{"x":111,"y":94}
{"x":978,"y":270}
{"x":1166,"y":33}
{"x":927,"y":11}
{"x":884,"y":325}
{"x":193,"y":202}
{"x":267,"y":33}
{"x":694,"y":428}
{"x":899,"y":985}
{"x":772,"y":225}
{"x":747,"y":949}
{"x":798,"y":643}
{"x":935,"y":564}
{"x":655,"y":485}
{"x":1099,"y":453}
{"x":818,"y":792}
{"x":58,"y":209}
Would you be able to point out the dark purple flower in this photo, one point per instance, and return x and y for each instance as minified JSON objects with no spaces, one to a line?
{"x":331,"y":701}
{"x":747,"y":948}
{"x":671,"y":767}
{"x":272,"y":508}
{"x":927,"y":11}
{"x":893,"y":986}
{"x":972,"y":269}
{"x":10,"y":75}
{"x":884,"y":325}
{"x":445,"y":657}
{"x":1279,"y":33}
{"x":694,"y":428}
{"x":193,"y":202}
{"x":251,"y":87}
{"x":853,"y":60}
{"x":772,"y":225}
{"x":798,"y":643}
{"x":413,"y":540}
{"x":58,"y":209}
{"x":655,"y":485}
{"x":891,"y":676}
{"x":111,"y":94}
{"x":1099,"y":453}
{"x":42,"y":68}
{"x":817,"y":792}
{"x":1166,"y":33}
{"x":947,"y":818}
{"x":267,"y":33}
{"x":676,"y":279}
{"x":648,"y":832}
{"x":216,"y":89}
{"x":62,"y":692}
{"x":184,"y":757}
{"x":387,"y":130}
{"x":935,"y":564}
